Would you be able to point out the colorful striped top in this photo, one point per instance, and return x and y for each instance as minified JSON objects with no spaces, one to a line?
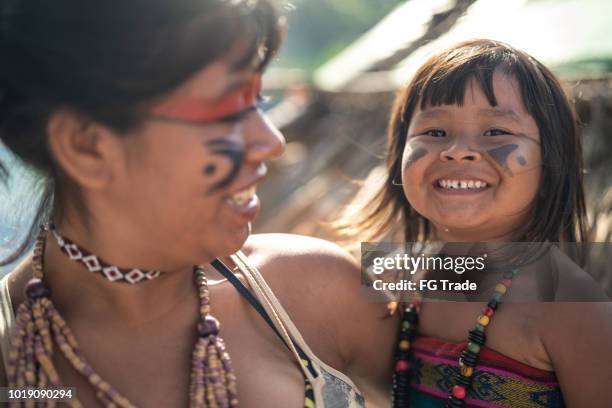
{"x":498,"y":380}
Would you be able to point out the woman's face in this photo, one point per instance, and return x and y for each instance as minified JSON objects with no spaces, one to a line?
{"x":190,"y":175}
{"x":474,"y":170}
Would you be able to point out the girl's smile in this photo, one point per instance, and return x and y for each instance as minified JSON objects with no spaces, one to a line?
{"x":474,"y":169}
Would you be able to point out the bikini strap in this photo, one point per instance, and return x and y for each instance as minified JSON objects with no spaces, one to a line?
{"x":302,"y":358}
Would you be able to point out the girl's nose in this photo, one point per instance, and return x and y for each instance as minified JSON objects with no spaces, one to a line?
{"x":460,"y":152}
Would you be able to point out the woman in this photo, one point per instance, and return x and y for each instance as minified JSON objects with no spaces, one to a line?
{"x":142,"y":118}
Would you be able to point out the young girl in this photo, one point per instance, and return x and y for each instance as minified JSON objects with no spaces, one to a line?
{"x":141,"y":118}
{"x":483,"y":147}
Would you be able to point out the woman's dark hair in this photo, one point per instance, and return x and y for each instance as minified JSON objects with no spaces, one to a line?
{"x":109,"y":60}
{"x":559,"y":212}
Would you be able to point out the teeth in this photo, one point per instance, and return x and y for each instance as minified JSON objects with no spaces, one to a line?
{"x":462,"y":184}
{"x":244,"y":196}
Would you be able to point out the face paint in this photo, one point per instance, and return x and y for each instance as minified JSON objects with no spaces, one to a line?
{"x":230,"y":107}
{"x":232,"y":151}
{"x":521,"y":160}
{"x":500,"y":155}
{"x":210,"y":169}
{"x":414,"y":155}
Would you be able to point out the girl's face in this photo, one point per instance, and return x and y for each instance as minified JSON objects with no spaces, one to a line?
{"x":188,"y":184}
{"x":474,"y":170}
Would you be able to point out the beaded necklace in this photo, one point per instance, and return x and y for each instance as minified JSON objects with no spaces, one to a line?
{"x":96,"y":265}
{"x":39,"y":325}
{"x":467,"y":360}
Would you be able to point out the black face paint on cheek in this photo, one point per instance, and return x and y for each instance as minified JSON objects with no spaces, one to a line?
{"x":521,"y":160}
{"x":500,"y":155}
{"x":210,"y":169}
{"x":415,"y":155}
{"x":232,"y":151}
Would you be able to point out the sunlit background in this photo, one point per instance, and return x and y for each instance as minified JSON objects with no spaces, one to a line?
{"x":333,"y":83}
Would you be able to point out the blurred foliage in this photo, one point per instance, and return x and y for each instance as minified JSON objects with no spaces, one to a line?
{"x":319,"y":29}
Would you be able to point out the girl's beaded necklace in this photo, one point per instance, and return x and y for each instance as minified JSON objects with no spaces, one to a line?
{"x":467,"y":360}
{"x":39,"y":325}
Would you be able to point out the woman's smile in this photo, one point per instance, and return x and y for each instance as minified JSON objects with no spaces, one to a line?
{"x":244,"y":203}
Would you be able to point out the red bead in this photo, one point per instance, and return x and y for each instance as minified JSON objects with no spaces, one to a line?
{"x":459,"y":392}
{"x":487,"y":311}
{"x":506,"y":282}
{"x":402,"y":365}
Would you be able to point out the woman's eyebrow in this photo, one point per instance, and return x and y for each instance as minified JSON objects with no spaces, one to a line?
{"x":232,"y":86}
{"x":238,"y":116}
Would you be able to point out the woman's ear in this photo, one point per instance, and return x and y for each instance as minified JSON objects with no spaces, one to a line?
{"x":88,"y":152}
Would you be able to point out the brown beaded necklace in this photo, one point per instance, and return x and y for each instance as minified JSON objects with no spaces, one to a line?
{"x":467,"y":360}
{"x":39,"y":325}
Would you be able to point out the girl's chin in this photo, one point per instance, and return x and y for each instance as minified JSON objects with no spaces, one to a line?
{"x":465,"y":230}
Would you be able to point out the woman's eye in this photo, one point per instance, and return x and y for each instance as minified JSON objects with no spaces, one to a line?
{"x":262,"y":100}
{"x":435,"y":133}
{"x":496,"y":132}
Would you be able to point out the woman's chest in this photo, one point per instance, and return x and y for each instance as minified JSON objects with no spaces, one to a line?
{"x":152,"y":367}
{"x":263,"y":381}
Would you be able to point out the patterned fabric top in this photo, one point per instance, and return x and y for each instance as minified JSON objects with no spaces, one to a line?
{"x":498,"y":381}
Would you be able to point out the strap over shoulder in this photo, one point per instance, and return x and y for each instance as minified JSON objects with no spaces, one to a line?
{"x":7,"y":319}
{"x":329,"y":384}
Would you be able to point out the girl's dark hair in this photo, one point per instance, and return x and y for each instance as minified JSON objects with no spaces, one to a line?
{"x":559,"y":212}
{"x":109,"y":60}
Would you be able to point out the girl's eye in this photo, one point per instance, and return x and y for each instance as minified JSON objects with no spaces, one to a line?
{"x":435,"y":133}
{"x":496,"y":132}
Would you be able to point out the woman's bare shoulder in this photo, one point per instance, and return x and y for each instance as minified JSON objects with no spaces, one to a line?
{"x":320,"y":286}
{"x":309,"y":274}
{"x":300,"y":256}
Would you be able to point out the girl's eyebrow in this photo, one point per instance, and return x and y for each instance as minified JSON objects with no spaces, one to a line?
{"x":500,"y":114}
{"x":493,"y":112}
{"x":432,"y":113}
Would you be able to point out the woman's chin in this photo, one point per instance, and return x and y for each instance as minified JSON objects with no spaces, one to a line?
{"x":235,"y":241}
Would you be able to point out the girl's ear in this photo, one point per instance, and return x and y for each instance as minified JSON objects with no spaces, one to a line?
{"x":88,"y":152}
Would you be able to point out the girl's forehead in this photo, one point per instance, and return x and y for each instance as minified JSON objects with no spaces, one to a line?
{"x":506,"y":93}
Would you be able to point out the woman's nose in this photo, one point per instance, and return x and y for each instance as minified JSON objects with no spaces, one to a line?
{"x":264,"y":141}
